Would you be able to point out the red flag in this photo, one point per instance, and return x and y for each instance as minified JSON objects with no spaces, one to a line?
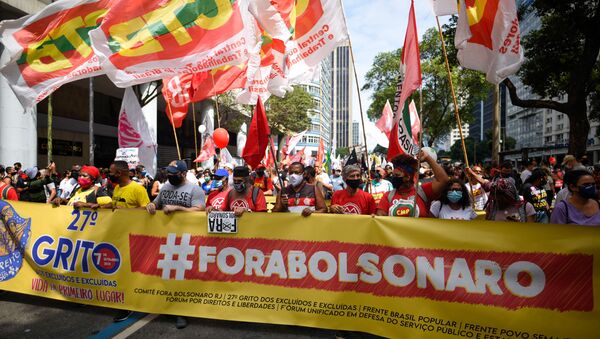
{"x":217,"y":81}
{"x":386,"y":121}
{"x":298,"y":156}
{"x":408,"y":81}
{"x":394,"y":148}
{"x":177,"y":92}
{"x":320,"y":154}
{"x":208,"y":150}
{"x":258,"y":136}
{"x":269,"y":160}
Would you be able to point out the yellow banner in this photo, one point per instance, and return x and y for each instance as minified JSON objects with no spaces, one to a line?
{"x":393,"y":277}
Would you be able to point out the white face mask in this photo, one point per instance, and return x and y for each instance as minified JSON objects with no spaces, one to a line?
{"x":296,"y":179}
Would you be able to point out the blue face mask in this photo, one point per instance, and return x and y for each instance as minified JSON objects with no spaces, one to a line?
{"x":588,"y":192}
{"x":454,"y":196}
{"x":216,"y":184}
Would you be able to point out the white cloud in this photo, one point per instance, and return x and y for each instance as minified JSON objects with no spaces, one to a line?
{"x":379,"y":26}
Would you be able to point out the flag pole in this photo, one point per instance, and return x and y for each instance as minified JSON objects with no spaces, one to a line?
{"x":195,"y":131}
{"x":362,"y":116}
{"x":276,"y":165}
{"x":173,"y":125}
{"x":49,"y":132}
{"x":456,"y":114}
{"x":91,"y":118}
{"x":212,"y":76}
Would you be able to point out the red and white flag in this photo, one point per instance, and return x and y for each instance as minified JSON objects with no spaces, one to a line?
{"x":47,"y":49}
{"x":415,"y":121}
{"x":386,"y":120}
{"x":144,"y":40}
{"x":177,"y":92}
{"x":488,"y":38}
{"x":208,"y":150}
{"x":134,"y":131}
{"x":320,"y":27}
{"x":320,"y":153}
{"x":298,"y":156}
{"x":293,"y":141}
{"x":401,"y":139}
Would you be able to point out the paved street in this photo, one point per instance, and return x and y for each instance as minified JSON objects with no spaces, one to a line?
{"x":24,"y":316}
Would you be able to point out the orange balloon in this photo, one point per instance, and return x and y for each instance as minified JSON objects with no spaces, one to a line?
{"x":221,"y":137}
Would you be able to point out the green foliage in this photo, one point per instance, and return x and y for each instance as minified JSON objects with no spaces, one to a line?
{"x":343,"y":151}
{"x":232,"y":115}
{"x":290,"y":114}
{"x":438,"y":110}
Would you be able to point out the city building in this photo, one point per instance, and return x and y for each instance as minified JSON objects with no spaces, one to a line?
{"x":544,"y":132}
{"x":483,"y":115}
{"x":320,"y":90}
{"x":342,"y":89}
{"x":356,"y":140}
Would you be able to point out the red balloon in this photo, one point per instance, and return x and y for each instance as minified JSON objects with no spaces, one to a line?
{"x":221,"y":137}
{"x":552,"y":161}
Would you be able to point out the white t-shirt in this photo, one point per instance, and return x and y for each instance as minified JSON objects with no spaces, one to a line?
{"x":66,"y":187}
{"x":445,"y":212}
{"x":48,"y":189}
{"x":480,"y":196}
{"x":525,"y":174}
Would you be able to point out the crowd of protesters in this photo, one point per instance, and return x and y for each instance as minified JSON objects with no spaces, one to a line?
{"x":404,"y":187}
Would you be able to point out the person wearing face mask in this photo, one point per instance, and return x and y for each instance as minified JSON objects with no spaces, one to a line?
{"x":205,"y":181}
{"x":379,"y":185}
{"x":352,"y":200}
{"x":337,"y":182}
{"x":126,"y":194}
{"x":299,"y":196}
{"x":244,"y":197}
{"x":262,"y":180}
{"x":177,"y":194}
{"x":582,"y":207}
{"x":505,"y":204}
{"x":534,"y":192}
{"x":87,"y":194}
{"x":400,"y":201}
{"x":506,"y":171}
{"x":454,"y":202}
{"x":219,"y":189}
{"x":479,"y":195}
{"x":68,"y":186}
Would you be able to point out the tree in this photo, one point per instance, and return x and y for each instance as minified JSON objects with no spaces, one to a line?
{"x":562,"y":62}
{"x":290,"y":114}
{"x":437,"y":116}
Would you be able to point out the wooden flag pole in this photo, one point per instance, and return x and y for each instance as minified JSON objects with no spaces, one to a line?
{"x":195,"y":131}
{"x":49,"y":132}
{"x":456,"y":114}
{"x":173,"y":125}
{"x":362,"y":119}
{"x":414,"y":211}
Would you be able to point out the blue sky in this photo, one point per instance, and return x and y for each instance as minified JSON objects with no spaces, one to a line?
{"x":379,"y":26}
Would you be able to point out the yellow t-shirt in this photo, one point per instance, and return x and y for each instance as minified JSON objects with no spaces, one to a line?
{"x":131,"y":196}
{"x":81,"y":195}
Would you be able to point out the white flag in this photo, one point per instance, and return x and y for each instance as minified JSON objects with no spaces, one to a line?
{"x":488,"y":38}
{"x":133,"y":131}
{"x":444,"y":7}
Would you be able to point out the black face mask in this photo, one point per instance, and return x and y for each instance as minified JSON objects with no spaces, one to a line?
{"x":377,"y":176}
{"x":260,"y":173}
{"x":397,"y":182}
{"x":239,"y":187}
{"x":353,"y":183}
{"x":505,"y":175}
{"x":113,"y":178}
{"x":75,"y":175}
{"x":175,"y":180}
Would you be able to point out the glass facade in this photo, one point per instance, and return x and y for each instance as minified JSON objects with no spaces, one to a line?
{"x":342,"y":97}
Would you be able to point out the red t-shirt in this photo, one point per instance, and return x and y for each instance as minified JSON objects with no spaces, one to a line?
{"x":360,"y":203}
{"x":11,"y":192}
{"x":260,"y":183}
{"x":402,"y":203}
{"x":247,"y":203}
{"x":217,"y":199}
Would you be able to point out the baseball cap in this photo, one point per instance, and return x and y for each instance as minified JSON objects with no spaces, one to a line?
{"x":221,"y":172}
{"x":31,"y":172}
{"x":568,"y":158}
{"x":177,"y":166}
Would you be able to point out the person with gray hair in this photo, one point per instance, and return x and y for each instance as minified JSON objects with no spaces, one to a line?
{"x":352,"y":200}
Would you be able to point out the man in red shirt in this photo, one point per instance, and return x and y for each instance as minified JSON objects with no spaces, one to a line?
{"x":219,"y":191}
{"x":400,"y":202}
{"x":244,"y":197}
{"x":352,"y":200}
{"x":262,"y":180}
